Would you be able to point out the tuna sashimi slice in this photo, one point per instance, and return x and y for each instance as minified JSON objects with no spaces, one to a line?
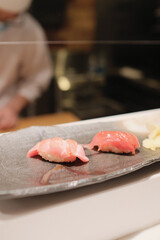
{"x":114,"y":141}
{"x":58,"y":150}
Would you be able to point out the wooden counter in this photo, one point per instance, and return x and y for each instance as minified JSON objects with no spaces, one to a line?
{"x":44,"y":120}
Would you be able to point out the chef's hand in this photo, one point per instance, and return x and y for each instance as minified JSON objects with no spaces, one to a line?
{"x":9,"y":114}
{"x":8,"y":118}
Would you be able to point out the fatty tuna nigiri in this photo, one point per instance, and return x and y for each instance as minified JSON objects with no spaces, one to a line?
{"x":58,"y":150}
{"x":114,"y":141}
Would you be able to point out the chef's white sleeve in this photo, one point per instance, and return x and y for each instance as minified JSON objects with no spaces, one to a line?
{"x":36,"y":71}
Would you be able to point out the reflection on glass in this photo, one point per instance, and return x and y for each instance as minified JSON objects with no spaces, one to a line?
{"x":25,"y":70}
{"x":105,"y":53}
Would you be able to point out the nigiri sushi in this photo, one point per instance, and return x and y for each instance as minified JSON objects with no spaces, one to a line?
{"x":114,"y":141}
{"x":58,"y":150}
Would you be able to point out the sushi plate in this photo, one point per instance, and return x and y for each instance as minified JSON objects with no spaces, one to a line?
{"x":21,"y":176}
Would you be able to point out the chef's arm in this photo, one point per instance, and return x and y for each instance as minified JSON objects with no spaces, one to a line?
{"x":36,"y":72}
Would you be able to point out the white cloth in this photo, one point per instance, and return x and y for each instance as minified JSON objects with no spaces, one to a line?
{"x":25,"y":69}
{"x":15,"y":5}
{"x":146,"y":234}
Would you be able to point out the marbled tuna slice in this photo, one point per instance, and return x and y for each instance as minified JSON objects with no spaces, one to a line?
{"x":114,"y":141}
{"x":58,"y":150}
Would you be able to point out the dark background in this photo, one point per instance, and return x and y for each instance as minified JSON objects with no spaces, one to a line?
{"x":131,"y":29}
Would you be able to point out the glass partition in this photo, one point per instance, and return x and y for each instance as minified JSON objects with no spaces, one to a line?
{"x":104,"y":56}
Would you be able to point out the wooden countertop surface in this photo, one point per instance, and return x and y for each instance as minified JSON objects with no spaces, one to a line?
{"x":44,"y":120}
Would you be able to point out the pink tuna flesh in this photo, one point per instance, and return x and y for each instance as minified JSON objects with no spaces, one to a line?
{"x":114,"y":141}
{"x":58,"y":150}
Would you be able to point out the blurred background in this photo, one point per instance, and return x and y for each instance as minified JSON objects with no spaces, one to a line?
{"x":105,"y":56}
